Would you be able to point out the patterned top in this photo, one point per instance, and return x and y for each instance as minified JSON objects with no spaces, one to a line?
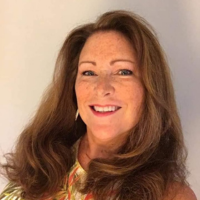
{"x":68,"y":190}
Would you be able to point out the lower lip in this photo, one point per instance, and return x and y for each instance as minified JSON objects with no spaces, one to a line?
{"x":103,"y":114}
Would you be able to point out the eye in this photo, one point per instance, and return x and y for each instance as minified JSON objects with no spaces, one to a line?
{"x":125,"y":72}
{"x":88,"y":73}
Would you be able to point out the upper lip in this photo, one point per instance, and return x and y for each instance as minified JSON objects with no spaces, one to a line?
{"x":106,"y":105}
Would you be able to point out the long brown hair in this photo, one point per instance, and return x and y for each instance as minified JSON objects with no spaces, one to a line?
{"x":154,"y":154}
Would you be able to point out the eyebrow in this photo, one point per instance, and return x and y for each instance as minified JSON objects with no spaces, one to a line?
{"x":90,"y":62}
{"x":111,"y":62}
{"x":121,"y":60}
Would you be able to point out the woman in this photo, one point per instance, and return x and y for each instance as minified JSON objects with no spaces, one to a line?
{"x":126,"y":141}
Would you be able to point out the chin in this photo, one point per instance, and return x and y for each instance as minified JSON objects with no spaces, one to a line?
{"x":106,"y":133}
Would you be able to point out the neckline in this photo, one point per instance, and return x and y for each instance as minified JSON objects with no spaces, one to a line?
{"x":76,"y":146}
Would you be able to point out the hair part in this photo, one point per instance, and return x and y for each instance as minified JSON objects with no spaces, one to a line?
{"x":153,"y":156}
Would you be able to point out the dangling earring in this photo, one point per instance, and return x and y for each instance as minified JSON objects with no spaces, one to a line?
{"x":76,"y":115}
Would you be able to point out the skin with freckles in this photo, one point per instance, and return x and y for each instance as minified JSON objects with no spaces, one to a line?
{"x":108,"y":74}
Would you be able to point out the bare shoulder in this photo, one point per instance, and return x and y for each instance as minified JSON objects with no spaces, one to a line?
{"x":180,"y":192}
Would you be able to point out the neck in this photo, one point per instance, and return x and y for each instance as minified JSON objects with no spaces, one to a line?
{"x":91,"y":147}
{"x":96,"y":148}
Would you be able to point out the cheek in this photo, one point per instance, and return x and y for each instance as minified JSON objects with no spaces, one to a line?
{"x":134,"y":93}
{"x":81,"y":90}
{"x":136,"y":102}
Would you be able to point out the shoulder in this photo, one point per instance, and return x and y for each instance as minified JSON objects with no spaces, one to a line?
{"x":180,"y":192}
{"x":11,"y":192}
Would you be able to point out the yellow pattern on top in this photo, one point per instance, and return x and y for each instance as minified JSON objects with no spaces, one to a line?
{"x":68,"y":191}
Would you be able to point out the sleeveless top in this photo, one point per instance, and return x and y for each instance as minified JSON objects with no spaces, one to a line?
{"x":67,"y":192}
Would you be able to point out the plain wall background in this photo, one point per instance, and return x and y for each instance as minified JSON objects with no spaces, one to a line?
{"x":32,"y":32}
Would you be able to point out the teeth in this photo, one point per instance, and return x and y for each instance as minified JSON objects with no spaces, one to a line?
{"x":105,"y":109}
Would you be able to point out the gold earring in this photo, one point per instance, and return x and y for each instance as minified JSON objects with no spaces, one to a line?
{"x":76,"y":115}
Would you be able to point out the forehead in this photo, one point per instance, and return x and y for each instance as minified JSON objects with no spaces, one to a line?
{"x":107,"y":43}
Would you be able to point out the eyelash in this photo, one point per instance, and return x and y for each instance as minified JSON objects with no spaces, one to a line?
{"x":129,"y":72}
{"x":85,"y":73}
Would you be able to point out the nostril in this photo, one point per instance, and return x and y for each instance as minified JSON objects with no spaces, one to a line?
{"x":104,"y":87}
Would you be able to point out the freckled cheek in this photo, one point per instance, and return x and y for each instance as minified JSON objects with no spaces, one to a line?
{"x":82,"y":90}
{"x":135,"y":97}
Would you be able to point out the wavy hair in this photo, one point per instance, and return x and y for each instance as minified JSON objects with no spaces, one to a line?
{"x":153,"y":156}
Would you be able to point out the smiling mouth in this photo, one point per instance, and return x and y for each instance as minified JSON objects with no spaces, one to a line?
{"x":105,"y":109}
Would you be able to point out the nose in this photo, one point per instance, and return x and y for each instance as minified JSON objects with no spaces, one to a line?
{"x":104,"y":86}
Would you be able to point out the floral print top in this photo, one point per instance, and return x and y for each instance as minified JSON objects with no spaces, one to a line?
{"x":67,"y":192}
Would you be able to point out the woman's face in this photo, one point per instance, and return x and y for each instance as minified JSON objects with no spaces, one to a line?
{"x":108,"y":87}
